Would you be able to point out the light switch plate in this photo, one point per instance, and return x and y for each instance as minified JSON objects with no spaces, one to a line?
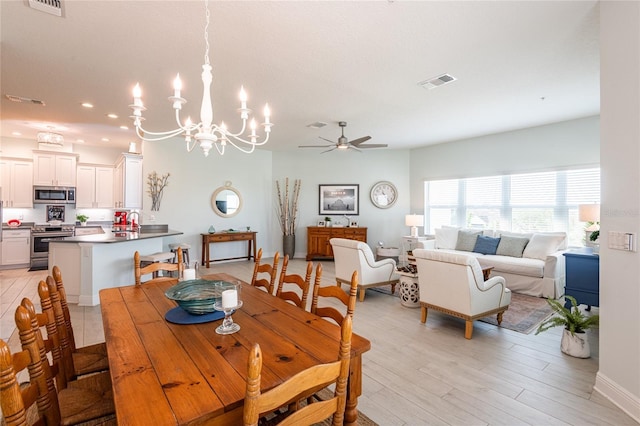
{"x":625,"y":241}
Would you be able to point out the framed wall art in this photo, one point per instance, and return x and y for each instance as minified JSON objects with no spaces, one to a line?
{"x":339,"y":199}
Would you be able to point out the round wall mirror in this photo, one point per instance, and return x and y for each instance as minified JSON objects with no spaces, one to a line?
{"x":226,"y":201}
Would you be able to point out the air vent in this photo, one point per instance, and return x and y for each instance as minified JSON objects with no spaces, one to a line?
{"x":52,"y":7}
{"x":14,"y":98}
{"x":432,"y":83}
{"x":317,"y":125}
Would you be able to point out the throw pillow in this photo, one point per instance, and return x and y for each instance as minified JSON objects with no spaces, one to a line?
{"x":511,"y":246}
{"x":542,"y":245}
{"x":446,"y":238}
{"x":486,"y":245}
{"x":467,"y":240}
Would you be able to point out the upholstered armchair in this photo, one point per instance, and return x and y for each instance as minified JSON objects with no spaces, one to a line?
{"x":454,"y":284}
{"x":352,"y":255}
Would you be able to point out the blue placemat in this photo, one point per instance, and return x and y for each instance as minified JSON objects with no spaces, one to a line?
{"x":178,"y":315}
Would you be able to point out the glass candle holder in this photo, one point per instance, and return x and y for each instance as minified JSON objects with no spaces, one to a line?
{"x":229,"y":303}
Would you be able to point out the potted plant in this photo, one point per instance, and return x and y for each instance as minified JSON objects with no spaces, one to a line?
{"x":82,"y":219}
{"x":327,"y":220}
{"x":574,"y":337}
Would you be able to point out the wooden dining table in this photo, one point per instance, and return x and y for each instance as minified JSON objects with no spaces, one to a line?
{"x":186,"y":374}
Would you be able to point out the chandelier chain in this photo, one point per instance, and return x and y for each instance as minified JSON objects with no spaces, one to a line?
{"x":206,"y":32}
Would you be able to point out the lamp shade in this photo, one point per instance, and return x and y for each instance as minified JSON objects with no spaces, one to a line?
{"x":414,"y":220}
{"x":589,"y":212}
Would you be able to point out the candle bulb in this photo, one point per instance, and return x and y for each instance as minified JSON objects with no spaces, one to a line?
{"x":177,"y":86}
{"x":229,"y":299}
{"x":267,"y":114}
{"x":253,"y":127}
{"x":243,"y":98}
{"x":137,"y":94}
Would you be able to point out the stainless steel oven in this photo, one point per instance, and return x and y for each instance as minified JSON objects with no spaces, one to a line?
{"x":41,"y":236}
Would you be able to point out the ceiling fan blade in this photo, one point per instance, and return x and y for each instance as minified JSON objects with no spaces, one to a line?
{"x":374,"y":145}
{"x":329,"y":150}
{"x":328,"y":140}
{"x":315,"y":146}
{"x":358,"y":141}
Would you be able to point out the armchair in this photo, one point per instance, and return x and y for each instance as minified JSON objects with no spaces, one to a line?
{"x":453,"y":283}
{"x":352,"y":255}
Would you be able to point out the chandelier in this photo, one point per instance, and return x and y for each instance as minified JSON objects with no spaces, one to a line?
{"x":205,"y":133}
{"x":50,"y":138}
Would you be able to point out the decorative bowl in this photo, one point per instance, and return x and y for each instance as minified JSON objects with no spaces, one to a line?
{"x":13,"y":223}
{"x":198,"y":297}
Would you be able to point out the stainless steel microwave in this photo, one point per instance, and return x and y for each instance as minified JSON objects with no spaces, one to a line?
{"x":54,"y":194}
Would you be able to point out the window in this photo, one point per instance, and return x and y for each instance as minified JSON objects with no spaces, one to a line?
{"x":528,"y":202}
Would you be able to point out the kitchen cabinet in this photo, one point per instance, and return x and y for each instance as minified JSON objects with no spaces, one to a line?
{"x":318,"y":245}
{"x":16,"y":247}
{"x":54,"y":169}
{"x":17,"y":183}
{"x":128,"y":182}
{"x":95,"y":186}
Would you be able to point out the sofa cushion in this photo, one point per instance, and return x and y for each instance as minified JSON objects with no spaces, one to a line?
{"x":486,"y":245}
{"x":542,"y":245}
{"x":513,"y":265}
{"x":467,"y":240}
{"x":446,"y":238}
{"x":511,"y":246}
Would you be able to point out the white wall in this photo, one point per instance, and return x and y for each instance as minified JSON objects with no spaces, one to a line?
{"x":619,"y":374}
{"x":350,"y":167}
{"x":566,"y":144}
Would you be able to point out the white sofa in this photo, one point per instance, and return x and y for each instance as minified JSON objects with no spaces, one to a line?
{"x":531,"y":264}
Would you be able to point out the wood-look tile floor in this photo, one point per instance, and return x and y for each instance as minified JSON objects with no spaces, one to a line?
{"x":417,"y":374}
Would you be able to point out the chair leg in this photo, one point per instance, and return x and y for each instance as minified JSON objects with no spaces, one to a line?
{"x":423,"y":314}
{"x":468,"y":329}
{"x":500,"y":317}
{"x":362,"y":291}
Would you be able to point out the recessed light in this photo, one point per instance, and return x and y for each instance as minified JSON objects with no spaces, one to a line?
{"x":16,"y":133}
{"x":79,"y":140}
{"x":105,"y":139}
{"x":87,"y":105}
{"x":112,"y":115}
{"x":124,"y":127}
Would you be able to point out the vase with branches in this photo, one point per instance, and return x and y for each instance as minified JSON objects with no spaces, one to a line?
{"x":287,"y":210}
{"x":156,"y":186}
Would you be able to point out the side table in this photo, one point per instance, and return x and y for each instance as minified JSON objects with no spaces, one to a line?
{"x":583,"y":277}
{"x":409,"y":290}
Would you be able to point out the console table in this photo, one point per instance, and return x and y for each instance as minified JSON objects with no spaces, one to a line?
{"x":318,"y":245}
{"x":227,"y":237}
{"x":583,"y":277}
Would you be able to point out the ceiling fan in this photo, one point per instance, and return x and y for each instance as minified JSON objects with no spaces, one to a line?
{"x":344,"y":143}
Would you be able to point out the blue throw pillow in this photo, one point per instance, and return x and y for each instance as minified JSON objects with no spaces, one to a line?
{"x":486,"y":245}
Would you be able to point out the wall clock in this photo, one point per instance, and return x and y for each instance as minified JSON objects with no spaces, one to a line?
{"x":384,"y":194}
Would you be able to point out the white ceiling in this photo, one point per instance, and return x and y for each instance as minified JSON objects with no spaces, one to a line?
{"x":518,"y":64}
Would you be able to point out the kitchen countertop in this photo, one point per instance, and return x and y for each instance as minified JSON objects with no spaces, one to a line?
{"x":23,"y":226}
{"x":117,"y":237}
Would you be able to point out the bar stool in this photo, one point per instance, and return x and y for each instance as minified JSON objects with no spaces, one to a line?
{"x":163,"y":257}
{"x":185,"y":251}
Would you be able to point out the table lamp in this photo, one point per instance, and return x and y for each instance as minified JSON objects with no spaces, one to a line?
{"x":414,"y":220}
{"x":590,"y":213}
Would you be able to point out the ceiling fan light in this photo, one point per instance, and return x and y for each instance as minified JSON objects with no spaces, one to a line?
{"x":345,"y":146}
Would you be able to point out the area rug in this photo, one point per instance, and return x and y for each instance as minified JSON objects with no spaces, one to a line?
{"x":524,"y":315}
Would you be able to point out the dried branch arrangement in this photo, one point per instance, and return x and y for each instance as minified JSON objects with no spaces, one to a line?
{"x":156,"y":186}
{"x":287,"y":207}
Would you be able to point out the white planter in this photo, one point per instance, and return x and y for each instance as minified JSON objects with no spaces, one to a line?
{"x":576,"y":345}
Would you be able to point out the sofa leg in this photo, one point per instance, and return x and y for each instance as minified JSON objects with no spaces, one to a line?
{"x":423,"y":314}
{"x":338,"y":283}
{"x":393,"y":289}
{"x":468,"y":329}
{"x":362,"y":290}
{"x":500,"y":317}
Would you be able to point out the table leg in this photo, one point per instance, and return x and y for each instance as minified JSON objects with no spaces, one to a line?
{"x":354,"y":389}
{"x":254,"y":246}
{"x":248,"y":249}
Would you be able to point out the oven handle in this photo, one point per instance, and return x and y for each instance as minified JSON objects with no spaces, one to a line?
{"x":46,"y":240}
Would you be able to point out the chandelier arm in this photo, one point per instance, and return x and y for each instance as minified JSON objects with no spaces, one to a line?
{"x":191,"y":144}
{"x":220,"y":148}
{"x":238,"y":139}
{"x":242,"y":148}
{"x":142,"y":134}
{"x":228,"y":133}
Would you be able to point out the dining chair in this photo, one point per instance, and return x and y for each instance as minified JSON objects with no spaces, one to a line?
{"x":270,"y":271}
{"x":78,"y":403}
{"x":295,"y":283}
{"x":257,"y":404}
{"x":334,"y":292}
{"x":154,"y":268}
{"x":87,"y":359}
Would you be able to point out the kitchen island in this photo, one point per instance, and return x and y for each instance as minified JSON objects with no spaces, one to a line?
{"x":91,"y":263}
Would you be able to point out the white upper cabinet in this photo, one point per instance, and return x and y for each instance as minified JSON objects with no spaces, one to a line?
{"x":16,"y":183}
{"x":95,"y":187}
{"x":128,"y":182}
{"x":54,"y":169}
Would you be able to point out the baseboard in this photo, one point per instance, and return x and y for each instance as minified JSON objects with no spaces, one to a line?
{"x":627,"y":402}
{"x":93,"y":300}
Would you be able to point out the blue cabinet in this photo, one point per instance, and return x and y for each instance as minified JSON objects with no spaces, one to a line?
{"x":583,"y":277}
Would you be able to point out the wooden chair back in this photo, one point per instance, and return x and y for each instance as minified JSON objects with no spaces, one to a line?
{"x":269,"y":271}
{"x":335,"y":292}
{"x":151,"y":268}
{"x":298,"y":285}
{"x":57,"y":277}
{"x":257,"y":403}
{"x":17,"y":403}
